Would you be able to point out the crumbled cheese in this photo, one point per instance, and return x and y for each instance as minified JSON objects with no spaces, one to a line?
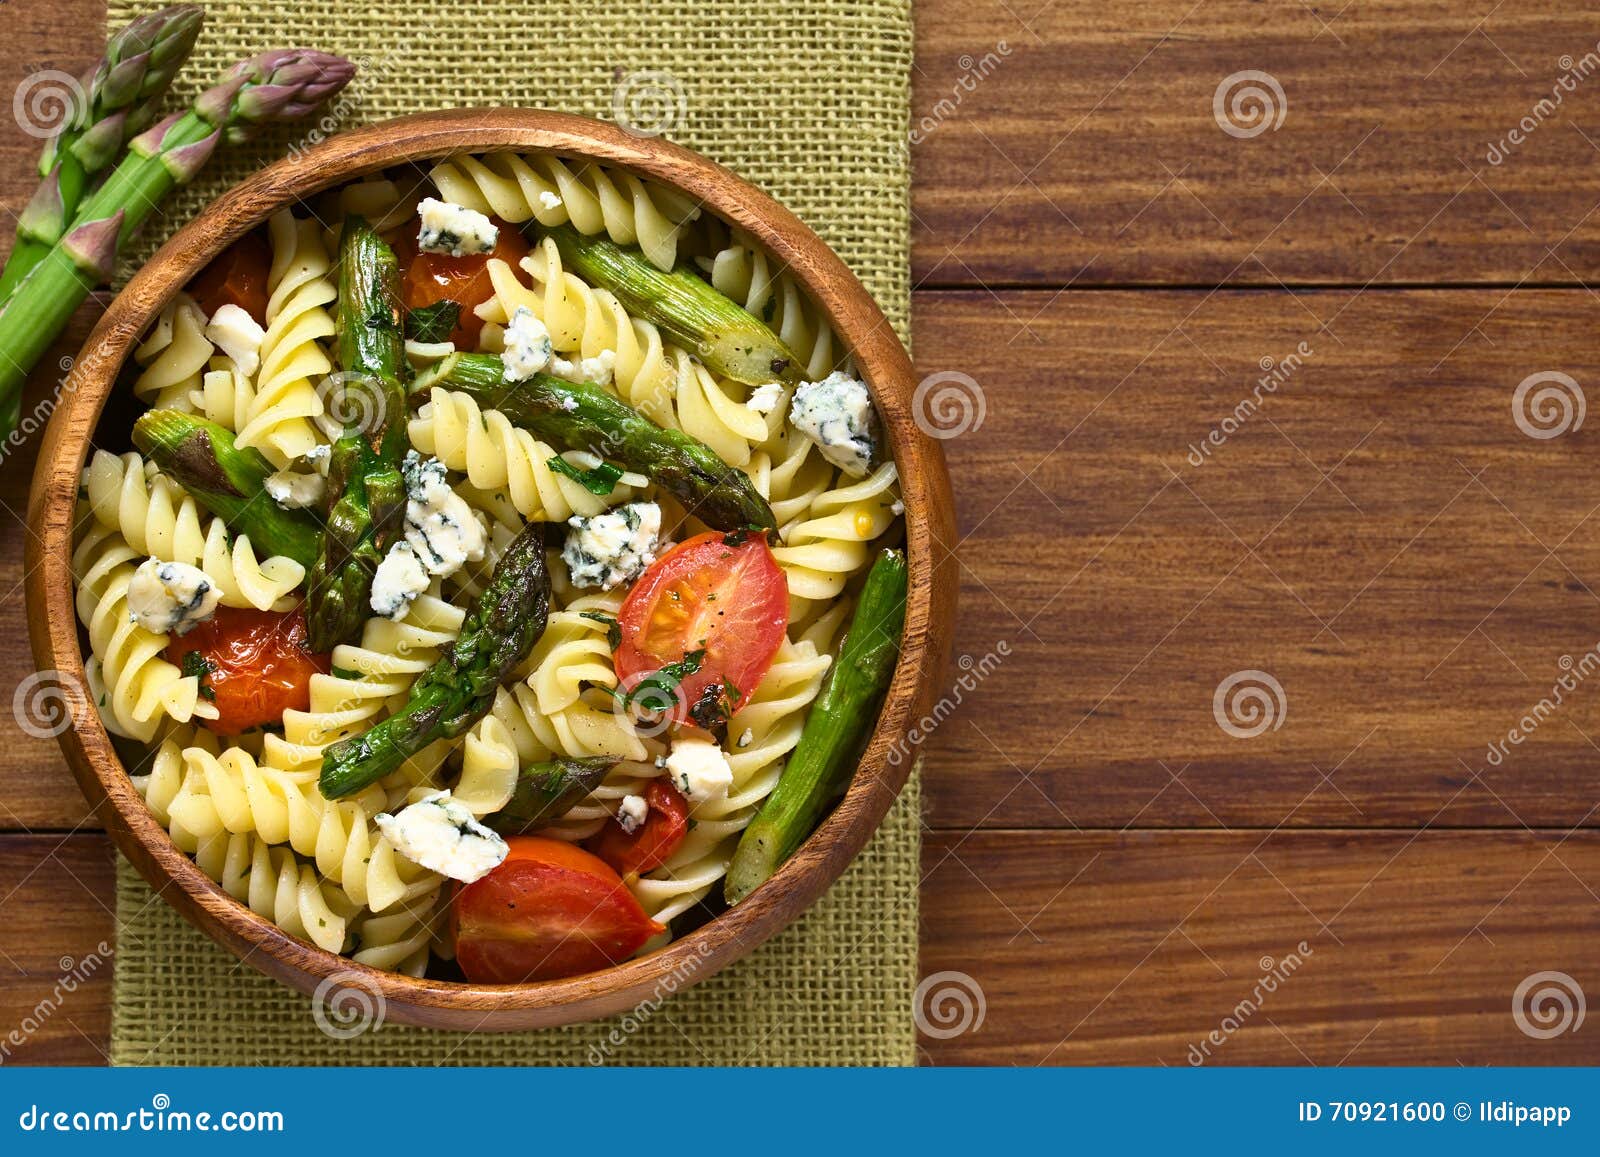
{"x":319,"y":454}
{"x":454,"y":229}
{"x":897,"y":508}
{"x":597,"y":369}
{"x":836,"y":413}
{"x":765,"y":399}
{"x":171,"y":596}
{"x":748,"y":737}
{"x":527,"y":346}
{"x":699,"y":769}
{"x":444,"y":531}
{"x":235,"y":333}
{"x":632,"y":812}
{"x":549,"y":200}
{"x":293,"y":490}
{"x":442,"y":836}
{"x":611,"y":548}
{"x":569,"y":403}
{"x":397,"y":582}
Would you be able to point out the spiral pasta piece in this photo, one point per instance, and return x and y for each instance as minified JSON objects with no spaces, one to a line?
{"x":278,"y":418}
{"x":747,"y":274}
{"x":830,"y":543}
{"x":159,"y":519}
{"x":274,"y":884}
{"x":552,"y":191}
{"x":174,"y":356}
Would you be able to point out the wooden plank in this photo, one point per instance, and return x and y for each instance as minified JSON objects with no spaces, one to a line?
{"x":1077,"y":142}
{"x":1379,"y":536}
{"x":1132,"y":948}
{"x":56,"y":906}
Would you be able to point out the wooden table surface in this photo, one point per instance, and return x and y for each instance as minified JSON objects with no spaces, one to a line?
{"x":1374,"y":541}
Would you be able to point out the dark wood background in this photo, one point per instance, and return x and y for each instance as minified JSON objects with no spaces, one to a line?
{"x":1107,"y":866}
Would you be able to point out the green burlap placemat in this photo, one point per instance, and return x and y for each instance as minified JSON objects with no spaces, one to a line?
{"x":810,"y":100}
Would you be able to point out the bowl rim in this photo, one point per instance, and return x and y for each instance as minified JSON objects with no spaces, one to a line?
{"x":884,"y":766}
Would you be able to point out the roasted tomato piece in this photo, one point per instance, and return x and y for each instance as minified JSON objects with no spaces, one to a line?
{"x":427,"y":278}
{"x":549,"y":910}
{"x":236,"y":276}
{"x":253,"y":665}
{"x":652,"y":843}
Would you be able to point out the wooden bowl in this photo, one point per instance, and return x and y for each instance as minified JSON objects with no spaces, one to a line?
{"x":929,"y":531}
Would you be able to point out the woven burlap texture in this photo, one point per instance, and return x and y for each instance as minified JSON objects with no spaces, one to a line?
{"x":807,"y":99}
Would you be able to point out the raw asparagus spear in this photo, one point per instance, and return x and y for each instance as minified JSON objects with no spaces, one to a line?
{"x":547,"y":791}
{"x":585,"y":416}
{"x":274,"y":86}
{"x":703,"y":320}
{"x":366,"y":493}
{"x":500,"y":628}
{"x":120,"y":99}
{"x":840,"y":720}
{"x":227,"y":480}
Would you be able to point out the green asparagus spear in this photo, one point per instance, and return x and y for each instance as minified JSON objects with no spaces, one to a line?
{"x":119,"y":100}
{"x":366,"y":493}
{"x":728,"y":338}
{"x":500,"y":629}
{"x":271,"y":87}
{"x":547,"y":791}
{"x":227,"y":480}
{"x":585,"y":416}
{"x":843,"y":716}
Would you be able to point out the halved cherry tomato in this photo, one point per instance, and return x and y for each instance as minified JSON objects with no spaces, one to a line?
{"x":255,"y":665}
{"x":549,"y":910}
{"x":426,"y":278}
{"x":718,"y":600}
{"x":236,"y":276}
{"x":654,"y":841}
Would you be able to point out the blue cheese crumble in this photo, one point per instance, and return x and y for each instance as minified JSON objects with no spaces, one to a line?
{"x":836,"y":413}
{"x":766,"y":398}
{"x":397,"y":582}
{"x":699,"y":770}
{"x":608,"y":549}
{"x":632,"y":812}
{"x":293,"y":490}
{"x":597,"y":369}
{"x":167,"y":597}
{"x":440,"y":834}
{"x":442,"y":529}
{"x":527,"y":346}
{"x":454,"y":229}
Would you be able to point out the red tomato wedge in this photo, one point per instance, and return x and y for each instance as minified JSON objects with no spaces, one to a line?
{"x":254,"y":664}
{"x":717,"y":600}
{"x":654,"y":841}
{"x":236,"y":276}
{"x":426,"y":278}
{"x":549,"y":910}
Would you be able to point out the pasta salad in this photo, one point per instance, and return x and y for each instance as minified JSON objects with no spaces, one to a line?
{"x":504,"y":572}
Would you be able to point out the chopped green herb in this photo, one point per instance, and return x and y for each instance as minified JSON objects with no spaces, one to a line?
{"x":345,"y":673}
{"x":600,"y":481}
{"x":433,"y":323}
{"x":613,"y":628}
{"x":196,"y":664}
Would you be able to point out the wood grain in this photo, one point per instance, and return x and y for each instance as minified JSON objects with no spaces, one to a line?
{"x":1378,"y":535}
{"x":1076,"y":142}
{"x":1129,"y":948}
